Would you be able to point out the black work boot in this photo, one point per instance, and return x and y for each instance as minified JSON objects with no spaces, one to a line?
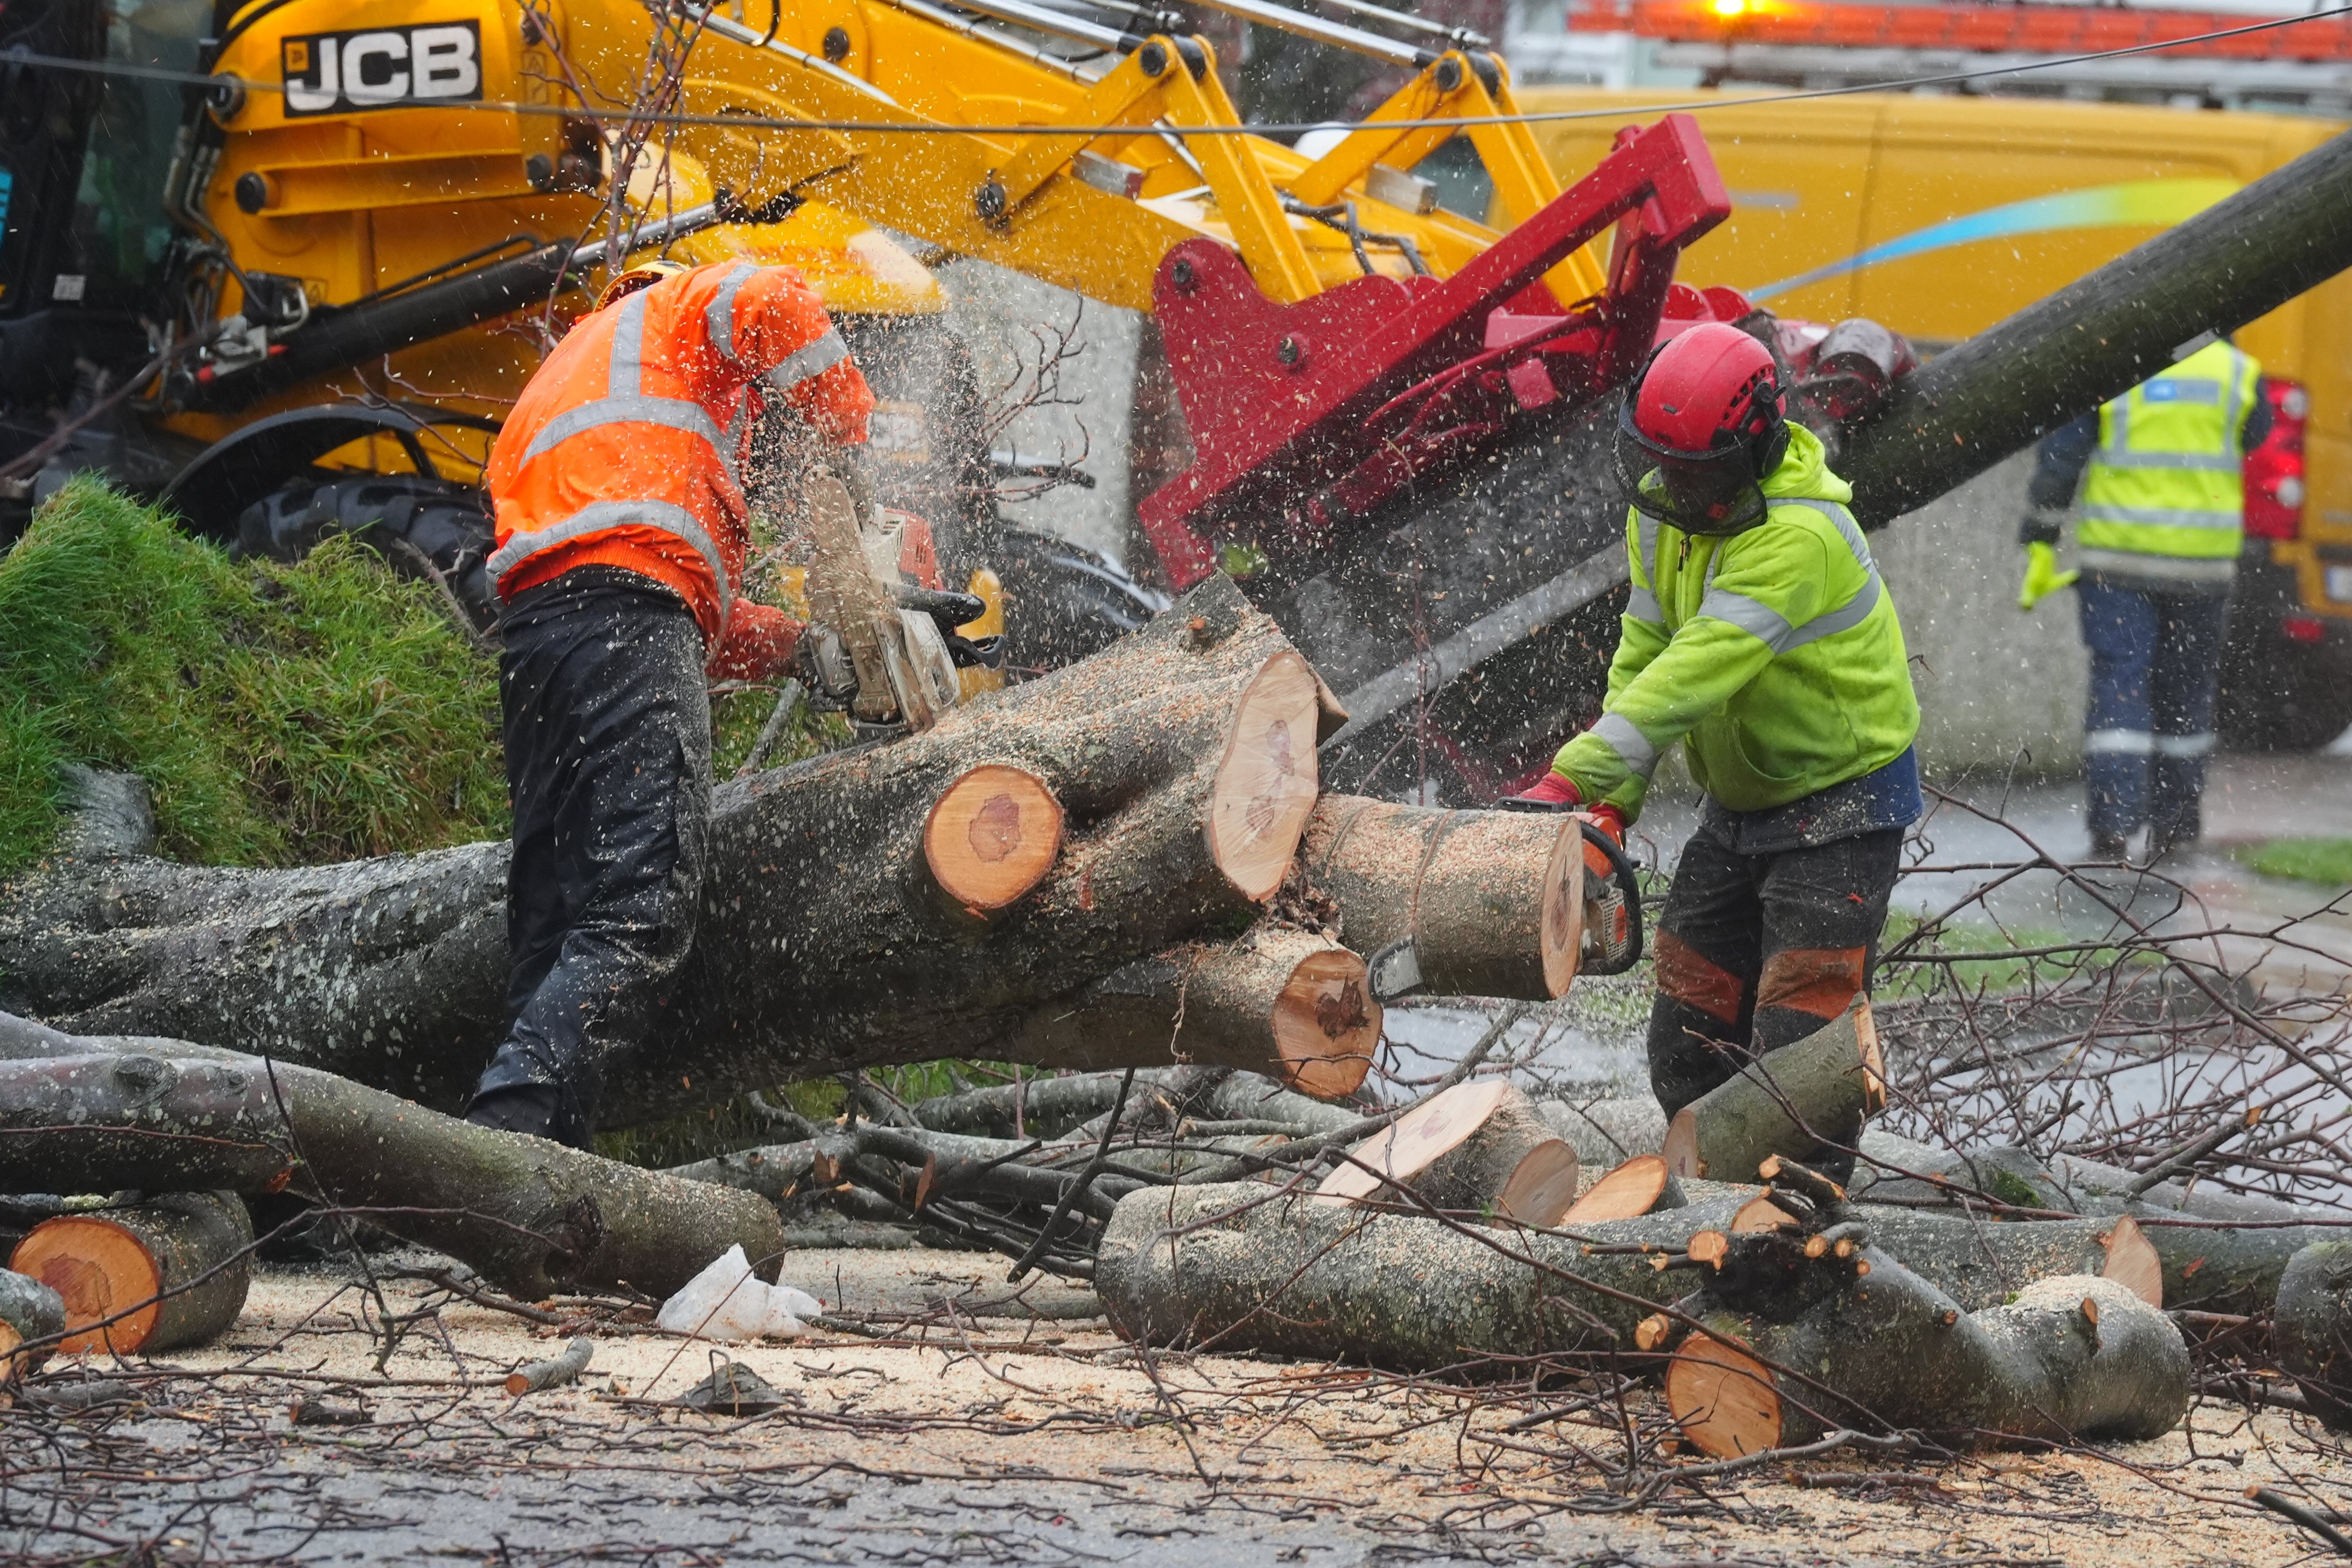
{"x":2109,"y":847}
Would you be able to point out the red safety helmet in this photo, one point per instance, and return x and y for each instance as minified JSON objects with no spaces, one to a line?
{"x":1701,"y":429}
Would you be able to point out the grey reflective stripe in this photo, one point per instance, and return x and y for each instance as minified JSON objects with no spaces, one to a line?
{"x":660,"y":516}
{"x":2118,"y":743}
{"x":1646,"y":531}
{"x":1642,"y":606}
{"x":1763,"y":623}
{"x":2163,"y":516}
{"x":624,"y":402}
{"x":1771,"y":628}
{"x":1621,"y":736}
{"x":674,"y":413}
{"x":2217,"y":569}
{"x":806,"y":363}
{"x":2201,"y":462}
{"x":719,"y":317}
{"x":1844,"y":619}
{"x":2184,"y":745}
{"x":624,"y":376}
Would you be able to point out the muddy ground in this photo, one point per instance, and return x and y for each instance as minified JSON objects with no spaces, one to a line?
{"x":1029,"y":1435}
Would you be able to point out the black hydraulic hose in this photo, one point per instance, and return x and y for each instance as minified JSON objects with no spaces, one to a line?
{"x":337,"y":340}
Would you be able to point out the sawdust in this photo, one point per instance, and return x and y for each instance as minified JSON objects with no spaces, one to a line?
{"x":1030,"y":1434}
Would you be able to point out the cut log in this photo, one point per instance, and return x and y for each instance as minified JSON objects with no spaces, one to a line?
{"x":28,"y":1311}
{"x":1492,"y":900}
{"x":532,"y":1216}
{"x":1479,"y":1148}
{"x":1606,"y":1132}
{"x":1238,"y":1267}
{"x":102,"y":1122}
{"x":992,"y":837}
{"x":2071,"y":1358}
{"x":1636,"y":1187}
{"x":1182,"y":758}
{"x":2310,"y":1329}
{"x":1290,"y":1005}
{"x":1798,"y":1100}
{"x":923,"y":1165}
{"x":550,"y":1373}
{"x":1052,"y":1107}
{"x":169,"y":1272}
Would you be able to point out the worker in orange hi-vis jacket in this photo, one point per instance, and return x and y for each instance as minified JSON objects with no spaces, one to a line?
{"x":621,"y":544}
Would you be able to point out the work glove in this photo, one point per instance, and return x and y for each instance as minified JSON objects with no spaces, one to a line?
{"x":2042,"y":577}
{"x":758,"y":641}
{"x":1613,"y":895}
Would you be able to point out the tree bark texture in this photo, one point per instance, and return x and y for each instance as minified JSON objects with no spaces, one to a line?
{"x":1492,"y":900}
{"x":823,"y":943}
{"x":532,"y":1216}
{"x":2102,"y":334}
{"x":1290,"y":1005}
{"x":171,"y":1271}
{"x":1792,"y":1102}
{"x":2072,"y":1357}
{"x":1050,"y":1107}
{"x":1244,"y":1267}
{"x":28,"y":1311}
{"x":102,"y":1122}
{"x":2310,"y":1329}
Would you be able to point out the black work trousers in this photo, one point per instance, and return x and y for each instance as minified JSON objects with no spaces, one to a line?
{"x":607,"y":729}
{"x":1755,"y":951}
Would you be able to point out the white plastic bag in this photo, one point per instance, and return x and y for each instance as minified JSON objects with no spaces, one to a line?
{"x":727,"y":1302}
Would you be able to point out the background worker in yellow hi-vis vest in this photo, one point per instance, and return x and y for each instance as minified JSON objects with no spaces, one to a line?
{"x":2161,"y":515}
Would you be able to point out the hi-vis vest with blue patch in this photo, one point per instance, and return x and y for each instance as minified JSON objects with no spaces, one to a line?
{"x":2167,"y":478}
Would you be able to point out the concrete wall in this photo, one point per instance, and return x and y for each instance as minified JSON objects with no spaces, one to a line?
{"x":1999,"y":688}
{"x":998,"y":312}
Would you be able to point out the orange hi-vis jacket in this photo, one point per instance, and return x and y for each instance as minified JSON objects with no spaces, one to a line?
{"x":625,"y":449}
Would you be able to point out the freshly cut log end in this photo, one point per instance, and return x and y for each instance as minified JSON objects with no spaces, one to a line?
{"x":1325,"y":1024}
{"x":1722,"y":1398}
{"x":1413,"y":1143}
{"x":1560,"y":938}
{"x":992,"y":837}
{"x":1266,"y":782}
{"x":552,"y":1372}
{"x":1654,"y":1332}
{"x":28,"y":1311}
{"x":1761,"y":1214}
{"x":2133,"y":1261}
{"x":1632,"y":1188}
{"x":1478,"y":1148}
{"x":173,"y":1269}
{"x":1541,"y":1188}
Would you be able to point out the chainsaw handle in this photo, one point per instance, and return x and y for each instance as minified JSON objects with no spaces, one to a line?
{"x":1629,"y":887}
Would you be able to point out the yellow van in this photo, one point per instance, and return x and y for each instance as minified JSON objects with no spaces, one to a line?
{"x":1940,"y":216}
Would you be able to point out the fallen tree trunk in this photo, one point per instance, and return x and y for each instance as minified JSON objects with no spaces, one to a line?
{"x":1242,"y":1267}
{"x":1183,"y":761}
{"x":1052,"y":1107}
{"x":97,"y":1123}
{"x":532,"y":1216}
{"x":170,"y":1272}
{"x":1493,"y":901}
{"x":2071,"y":1358}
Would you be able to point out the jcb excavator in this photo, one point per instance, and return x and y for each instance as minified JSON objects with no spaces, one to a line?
{"x":321,"y":245}
{"x":366,"y":216}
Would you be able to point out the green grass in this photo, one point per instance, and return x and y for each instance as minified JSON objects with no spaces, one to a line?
{"x":282,"y":715}
{"x":2303,"y":859}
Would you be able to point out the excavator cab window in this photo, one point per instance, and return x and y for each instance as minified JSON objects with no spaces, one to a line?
{"x":84,"y":238}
